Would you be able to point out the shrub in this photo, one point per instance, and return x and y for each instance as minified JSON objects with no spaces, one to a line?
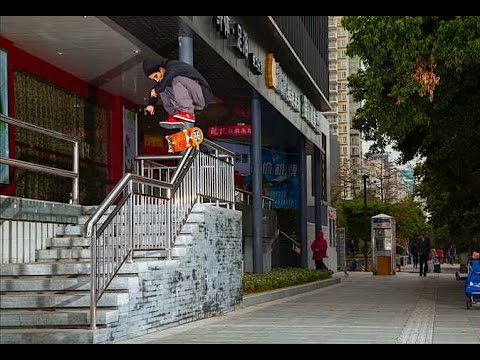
{"x":280,"y":278}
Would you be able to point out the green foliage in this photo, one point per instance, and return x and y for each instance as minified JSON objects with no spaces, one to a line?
{"x":280,"y":278}
{"x":420,"y":85}
{"x":408,"y":214}
{"x":410,"y":220}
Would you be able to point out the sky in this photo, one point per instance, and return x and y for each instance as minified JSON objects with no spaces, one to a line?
{"x":394,"y":155}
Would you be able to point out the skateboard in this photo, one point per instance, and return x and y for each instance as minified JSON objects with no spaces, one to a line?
{"x":184,"y":139}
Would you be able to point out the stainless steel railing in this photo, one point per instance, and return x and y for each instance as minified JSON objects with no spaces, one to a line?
{"x":20,"y":239}
{"x":74,"y":174}
{"x":149,"y":167}
{"x":295,"y":244}
{"x":246,"y":197}
{"x":149,"y":213}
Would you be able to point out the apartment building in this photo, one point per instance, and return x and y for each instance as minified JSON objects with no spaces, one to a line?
{"x":343,"y":109}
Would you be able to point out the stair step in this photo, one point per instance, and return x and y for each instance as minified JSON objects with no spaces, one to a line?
{"x":53,"y":336}
{"x":196,"y":217}
{"x":90,"y":209}
{"x":190,"y":229}
{"x":75,"y":299}
{"x":83,"y":219}
{"x":85,"y":254}
{"x":61,"y":283}
{"x":56,"y":268}
{"x":184,"y":240}
{"x":62,"y":254}
{"x":69,"y":242}
{"x":179,"y":251}
{"x":150,"y":254}
{"x":58,"y":317}
{"x":69,"y":230}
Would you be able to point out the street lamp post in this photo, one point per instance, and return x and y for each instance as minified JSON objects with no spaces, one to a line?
{"x":365,"y":250}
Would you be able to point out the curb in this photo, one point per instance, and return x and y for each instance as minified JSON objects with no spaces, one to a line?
{"x":267,"y":296}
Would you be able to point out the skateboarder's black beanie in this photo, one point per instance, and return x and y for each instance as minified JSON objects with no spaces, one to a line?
{"x":151,"y":65}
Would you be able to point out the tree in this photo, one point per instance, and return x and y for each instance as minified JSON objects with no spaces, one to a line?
{"x":343,"y":183}
{"x":410,"y":220}
{"x":420,"y":89}
{"x":408,"y":214}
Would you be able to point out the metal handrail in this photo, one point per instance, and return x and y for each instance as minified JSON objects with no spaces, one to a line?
{"x":114,"y":194}
{"x":136,"y":221}
{"x":215,"y":146}
{"x":289,"y":238}
{"x":39,"y":129}
{"x":74,"y":174}
{"x":267,"y":202}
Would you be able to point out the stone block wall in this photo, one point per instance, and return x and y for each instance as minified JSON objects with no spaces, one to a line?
{"x":205,"y":280}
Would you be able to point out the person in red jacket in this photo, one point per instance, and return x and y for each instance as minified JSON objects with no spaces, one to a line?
{"x":319,"y":248}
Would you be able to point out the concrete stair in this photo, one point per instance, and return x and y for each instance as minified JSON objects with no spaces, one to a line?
{"x":55,"y":317}
{"x":52,"y":336}
{"x":60,"y":283}
{"x":49,"y":301}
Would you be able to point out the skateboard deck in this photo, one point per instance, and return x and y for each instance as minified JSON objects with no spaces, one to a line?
{"x":184,"y":139}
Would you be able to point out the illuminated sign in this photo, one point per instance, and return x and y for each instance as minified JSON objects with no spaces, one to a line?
{"x":271,"y":73}
{"x":230,"y":130}
{"x":276,"y":79}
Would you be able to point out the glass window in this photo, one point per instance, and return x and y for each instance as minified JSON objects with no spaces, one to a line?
{"x":4,"y":176}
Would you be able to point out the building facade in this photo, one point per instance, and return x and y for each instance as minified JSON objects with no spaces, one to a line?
{"x":269,"y":77}
{"x":343,"y":109}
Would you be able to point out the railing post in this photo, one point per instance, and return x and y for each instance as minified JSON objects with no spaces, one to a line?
{"x":131,"y":220}
{"x":197,"y":183}
{"x":76,"y":180}
{"x":168,"y":224}
{"x":93,"y":279}
{"x":232,"y":181}
{"x":217,"y":181}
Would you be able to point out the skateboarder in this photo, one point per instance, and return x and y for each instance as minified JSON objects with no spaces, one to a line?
{"x":181,"y":88}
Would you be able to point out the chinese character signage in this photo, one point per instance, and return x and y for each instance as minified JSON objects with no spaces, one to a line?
{"x":277,"y":80}
{"x":280,"y":178}
{"x":242,"y":156}
{"x":229,"y":130}
{"x":240,"y":41}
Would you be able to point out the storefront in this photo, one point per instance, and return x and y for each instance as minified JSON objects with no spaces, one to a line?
{"x":268,"y":99}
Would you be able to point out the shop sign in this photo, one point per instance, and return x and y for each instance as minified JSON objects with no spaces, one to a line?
{"x":240,"y":42}
{"x":277,"y":79}
{"x":229,"y":130}
{"x":280,"y":178}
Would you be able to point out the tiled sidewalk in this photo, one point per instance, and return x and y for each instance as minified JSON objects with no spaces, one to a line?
{"x":404,"y":308}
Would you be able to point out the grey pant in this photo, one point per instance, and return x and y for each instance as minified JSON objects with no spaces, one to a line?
{"x":184,"y":94}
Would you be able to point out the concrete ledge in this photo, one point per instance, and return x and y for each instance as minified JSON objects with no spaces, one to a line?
{"x":267,"y":296}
